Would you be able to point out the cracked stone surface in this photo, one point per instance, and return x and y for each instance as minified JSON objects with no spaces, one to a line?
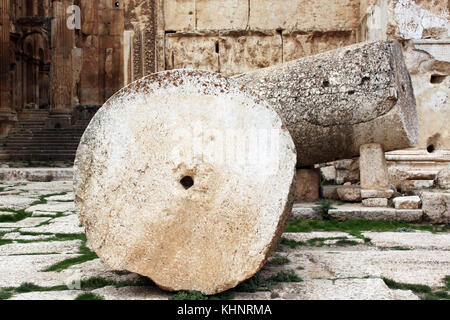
{"x":53,"y":206}
{"x":50,"y":295}
{"x":67,"y":224}
{"x":328,"y":270}
{"x":62,"y":247}
{"x":415,"y":240}
{"x":28,"y":222}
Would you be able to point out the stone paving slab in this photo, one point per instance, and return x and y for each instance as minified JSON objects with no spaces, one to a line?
{"x":305,"y":236}
{"x":341,"y":289}
{"x":66,"y":224}
{"x":16,"y":270}
{"x":70,"y":196}
{"x":52,"y":206}
{"x":16,"y":202}
{"x":49,"y":295}
{"x":45,"y":247}
{"x":132,"y":293}
{"x":414,"y":240}
{"x":415,"y":266}
{"x":25,"y":223}
{"x":19,"y":236}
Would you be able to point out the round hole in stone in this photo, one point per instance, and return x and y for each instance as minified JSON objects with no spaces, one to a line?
{"x":430,"y":148}
{"x":187,"y":182}
{"x":326,"y":84}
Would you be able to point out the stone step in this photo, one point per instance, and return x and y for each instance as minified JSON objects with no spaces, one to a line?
{"x":37,"y":157}
{"x":356,"y":211}
{"x":35,"y":174}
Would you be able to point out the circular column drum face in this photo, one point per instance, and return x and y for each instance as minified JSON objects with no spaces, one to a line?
{"x":185,"y":178}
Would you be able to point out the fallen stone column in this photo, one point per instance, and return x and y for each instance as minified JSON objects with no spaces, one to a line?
{"x":186,"y":179}
{"x":334,"y":102}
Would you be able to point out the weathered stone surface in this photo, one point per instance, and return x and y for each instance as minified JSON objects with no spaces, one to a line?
{"x":375,"y":202}
{"x":297,"y":45}
{"x":191,"y":51}
{"x":132,"y":293}
{"x":51,"y":247}
{"x":52,"y":206}
{"x":388,"y":193}
{"x":436,"y":206}
{"x":341,"y":289}
{"x":15,"y":202}
{"x":426,"y":267}
{"x":170,"y":208}
{"x":304,"y":15}
{"x":349,"y":212}
{"x":410,"y":185}
{"x":359,"y":94}
{"x":305,"y":236}
{"x":305,"y":211}
{"x":413,"y":240}
{"x":19,"y":236}
{"x":308,"y":183}
{"x":179,"y":14}
{"x":35,"y":174}
{"x":412,"y":202}
{"x":65,"y":224}
{"x":442,"y":179}
{"x":349,"y":193}
{"x":328,"y":173}
{"x":221,"y":14}
{"x":373,"y":168}
{"x":28,"y":222}
{"x":329,"y":192}
{"x":242,"y":53}
{"x":51,"y":295}
{"x":29,"y":268}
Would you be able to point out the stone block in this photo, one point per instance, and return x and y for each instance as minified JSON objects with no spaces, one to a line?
{"x":191,"y":51}
{"x":343,"y":213}
{"x":304,"y":15}
{"x":240,"y":53}
{"x":442,"y":179}
{"x":412,"y":202}
{"x":298,"y":45}
{"x":388,"y":193}
{"x":410,"y":185}
{"x":328,"y":173}
{"x":349,"y":193}
{"x":308,"y":183}
{"x":436,"y":206}
{"x":329,"y":192}
{"x":375,"y":202}
{"x":179,"y":14}
{"x":221,"y":14}
{"x":373,"y":168}
{"x":305,"y":211}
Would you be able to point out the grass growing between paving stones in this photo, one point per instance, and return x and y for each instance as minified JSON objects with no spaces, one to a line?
{"x":319,"y":242}
{"x":89,"y":296}
{"x":323,"y":206}
{"x":279,"y":260}
{"x":423,"y":291}
{"x":357,"y":226}
{"x":16,"y":216}
{"x":86,"y":255}
{"x":252,"y":285}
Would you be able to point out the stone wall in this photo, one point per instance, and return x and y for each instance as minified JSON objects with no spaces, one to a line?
{"x":423,"y":28}
{"x":235,"y":36}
